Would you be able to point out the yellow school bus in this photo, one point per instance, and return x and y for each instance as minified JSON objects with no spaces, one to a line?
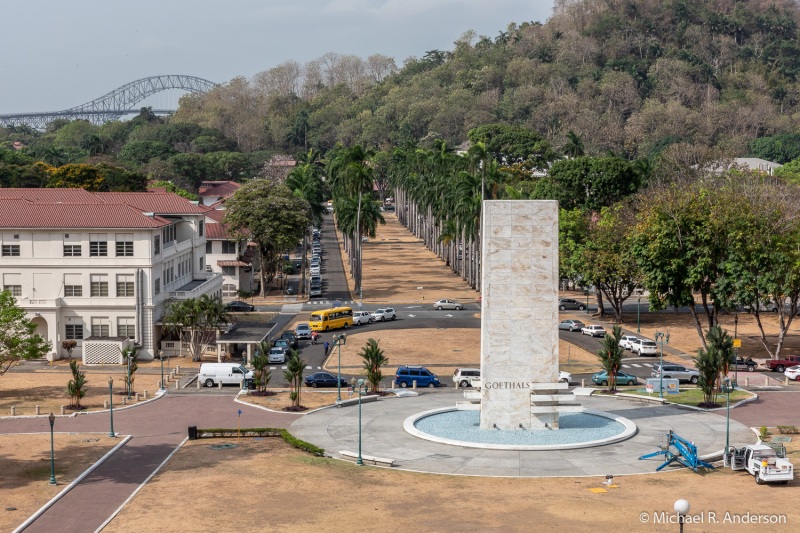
{"x":338,"y":317}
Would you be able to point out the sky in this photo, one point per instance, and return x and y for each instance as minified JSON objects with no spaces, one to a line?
{"x":58,"y":54}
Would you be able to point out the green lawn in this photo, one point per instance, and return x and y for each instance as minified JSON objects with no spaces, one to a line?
{"x":694,"y":396}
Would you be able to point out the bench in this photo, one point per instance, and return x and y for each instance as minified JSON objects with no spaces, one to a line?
{"x":366,"y":459}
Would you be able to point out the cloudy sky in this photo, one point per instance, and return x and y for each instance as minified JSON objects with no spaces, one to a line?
{"x":58,"y":54}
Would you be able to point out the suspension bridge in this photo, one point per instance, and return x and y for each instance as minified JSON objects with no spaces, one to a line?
{"x":118,"y":103}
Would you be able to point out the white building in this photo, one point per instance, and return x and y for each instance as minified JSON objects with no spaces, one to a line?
{"x":100,"y":268}
{"x":231,"y":257}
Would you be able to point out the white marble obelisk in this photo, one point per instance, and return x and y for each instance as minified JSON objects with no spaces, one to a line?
{"x":519,"y":316}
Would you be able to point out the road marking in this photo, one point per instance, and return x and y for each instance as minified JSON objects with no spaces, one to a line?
{"x":411,"y":316}
{"x":413,"y":307}
{"x":635,"y":365}
{"x":626,"y":366}
{"x":449,"y":316}
{"x":309,"y":367}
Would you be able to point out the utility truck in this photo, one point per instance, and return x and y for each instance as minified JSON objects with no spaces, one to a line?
{"x":767,"y":464}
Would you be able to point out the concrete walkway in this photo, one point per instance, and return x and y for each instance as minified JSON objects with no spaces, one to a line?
{"x":157,"y":428}
{"x":336,"y":429}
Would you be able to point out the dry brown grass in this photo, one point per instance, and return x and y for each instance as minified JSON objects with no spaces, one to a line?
{"x":25,"y":466}
{"x":292,"y":491}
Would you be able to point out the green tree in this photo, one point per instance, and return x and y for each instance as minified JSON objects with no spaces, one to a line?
{"x":610,"y":356}
{"x":143,"y":151}
{"x":76,"y":387}
{"x":294,"y":375}
{"x":261,"y":364}
{"x":130,"y":369}
{"x":270,"y":215}
{"x":374,"y":361}
{"x":18,"y":338}
{"x":593,"y":182}
{"x":196,"y":322}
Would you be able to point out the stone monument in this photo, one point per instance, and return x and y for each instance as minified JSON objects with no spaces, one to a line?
{"x":519,"y":317}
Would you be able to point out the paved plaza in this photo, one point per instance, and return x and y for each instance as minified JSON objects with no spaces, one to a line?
{"x":336,"y":429}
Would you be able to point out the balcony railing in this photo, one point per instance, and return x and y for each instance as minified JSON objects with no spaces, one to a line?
{"x":199,"y":287}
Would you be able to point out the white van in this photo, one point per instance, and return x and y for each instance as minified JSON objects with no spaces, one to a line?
{"x":225,"y":373}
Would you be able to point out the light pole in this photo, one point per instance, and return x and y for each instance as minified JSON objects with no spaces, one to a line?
{"x":638,"y":313}
{"x":111,"y":405}
{"x":360,"y":392}
{"x":161,"y":356}
{"x":727,"y":388}
{"x":128,"y":383}
{"x":338,"y":340}
{"x":52,"y":419}
{"x":682,"y":508}
{"x":587,"y":300}
{"x":661,"y":338}
{"x":736,"y":344}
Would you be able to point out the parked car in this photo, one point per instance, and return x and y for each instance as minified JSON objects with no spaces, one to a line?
{"x":674,"y":371}
{"x":282,"y":343}
{"x":571,"y":325}
{"x":564,"y":377}
{"x":594,"y":331}
{"x":361,"y":317}
{"x":623,"y":378}
{"x":569,"y":303}
{"x":779,"y":365}
{"x":382,"y":315}
{"x":291,"y":338}
{"x":302,"y":331}
{"x":239,"y":307}
{"x":463,"y":377}
{"x":406,"y":375}
{"x":644,"y":347}
{"x":315,"y":291}
{"x":277,"y":355}
{"x":447,"y":304}
{"x":740,"y":363}
{"x":626,"y":341}
{"x":315,"y":270}
{"x":388,"y":207}
{"x":793,"y":373}
{"x":324,"y":379}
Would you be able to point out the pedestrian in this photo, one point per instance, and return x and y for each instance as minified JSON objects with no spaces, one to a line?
{"x":326,"y":345}
{"x":314,"y":337}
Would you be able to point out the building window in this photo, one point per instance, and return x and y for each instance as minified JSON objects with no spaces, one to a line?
{"x":15,"y":290}
{"x":126,"y":327}
{"x":73,"y":331}
{"x":168,"y":234}
{"x":99,"y":285}
{"x":209,"y":248}
{"x":11,"y":250}
{"x":157,"y":286}
{"x":125,"y":245}
{"x":124,"y":285}
{"x":201,"y":228}
{"x":228,"y":290}
{"x":72,"y":250}
{"x":98,"y":246}
{"x":98,"y":249}
{"x":100,"y":327}
{"x":229,"y":271}
{"x":73,"y":290}
{"x":157,"y":244}
{"x":228,"y":247}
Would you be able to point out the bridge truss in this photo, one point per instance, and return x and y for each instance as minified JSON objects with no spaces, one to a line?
{"x":119,"y":102}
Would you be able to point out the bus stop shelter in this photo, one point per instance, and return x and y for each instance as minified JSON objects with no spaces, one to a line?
{"x":249,"y":334}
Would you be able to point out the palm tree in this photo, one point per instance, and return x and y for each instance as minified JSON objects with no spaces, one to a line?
{"x":374,"y":360}
{"x":305,"y":181}
{"x":260,"y":363}
{"x":574,"y":146}
{"x":196,"y":322}
{"x":610,"y":356}
{"x":294,"y":375}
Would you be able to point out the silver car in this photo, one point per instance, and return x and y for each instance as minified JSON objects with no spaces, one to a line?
{"x":679,"y":372}
{"x":448,"y":304}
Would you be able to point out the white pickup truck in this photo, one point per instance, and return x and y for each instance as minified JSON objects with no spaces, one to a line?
{"x":761,"y":461}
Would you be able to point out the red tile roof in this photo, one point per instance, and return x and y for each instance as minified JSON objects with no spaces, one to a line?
{"x":162,"y":203}
{"x":217,"y":231}
{"x":70,"y":196}
{"x":216,"y":215}
{"x":24,"y":214}
{"x":218,"y":188}
{"x":231,"y":263}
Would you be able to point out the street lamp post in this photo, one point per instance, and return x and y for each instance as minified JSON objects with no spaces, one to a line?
{"x":727,"y":388}
{"x":682,"y":508}
{"x":52,"y":419}
{"x":661,"y":339}
{"x":161,"y":356}
{"x":338,"y":340}
{"x":638,"y":313}
{"x":111,"y":405}
{"x":360,"y":393}
{"x":128,"y":383}
{"x":586,"y":292}
{"x":736,"y":342}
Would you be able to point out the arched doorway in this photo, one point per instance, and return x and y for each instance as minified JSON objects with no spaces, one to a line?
{"x":41,"y":326}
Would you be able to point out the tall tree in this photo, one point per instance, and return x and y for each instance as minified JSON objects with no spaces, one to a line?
{"x":374,"y":360}
{"x":196,"y":322}
{"x":269,"y":214}
{"x":18,"y":338}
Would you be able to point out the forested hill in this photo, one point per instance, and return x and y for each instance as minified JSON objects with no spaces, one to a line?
{"x":627,"y":76}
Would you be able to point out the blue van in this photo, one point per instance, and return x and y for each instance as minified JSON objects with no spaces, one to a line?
{"x":406,"y":375}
